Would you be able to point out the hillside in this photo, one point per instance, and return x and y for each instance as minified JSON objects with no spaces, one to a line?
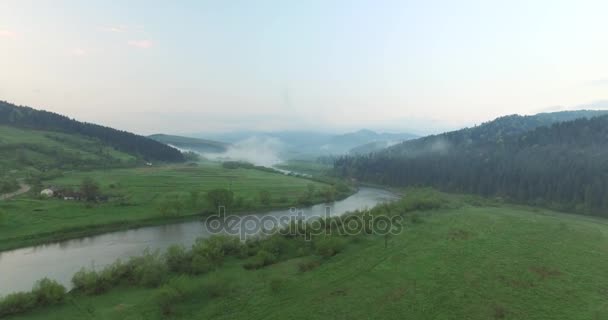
{"x":193,"y":144}
{"x":514,"y":157}
{"x":24,"y":149}
{"x":136,"y":145}
{"x":488,"y":133}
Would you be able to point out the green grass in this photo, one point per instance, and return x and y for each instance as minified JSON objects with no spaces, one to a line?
{"x":27,"y":150}
{"x":469,"y":262}
{"x":29,"y":220}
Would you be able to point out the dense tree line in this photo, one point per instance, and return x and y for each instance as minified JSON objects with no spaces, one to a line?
{"x":563,"y":166}
{"x":140,"y":146}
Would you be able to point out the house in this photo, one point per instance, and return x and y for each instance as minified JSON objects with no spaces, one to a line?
{"x":49,"y":193}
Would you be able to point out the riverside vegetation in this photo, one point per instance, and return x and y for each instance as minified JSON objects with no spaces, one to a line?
{"x":458,"y":257}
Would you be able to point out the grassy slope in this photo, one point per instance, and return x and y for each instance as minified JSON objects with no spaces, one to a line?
{"x":14,"y":139}
{"x":467,"y":263}
{"x":29,"y":220}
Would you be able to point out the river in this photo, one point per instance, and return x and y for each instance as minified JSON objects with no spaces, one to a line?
{"x":21,"y":268}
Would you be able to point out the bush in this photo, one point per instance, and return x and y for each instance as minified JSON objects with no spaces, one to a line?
{"x":178,"y":259}
{"x":261,"y":259}
{"x":329,"y":246}
{"x":89,"y":282}
{"x":16,"y":303}
{"x":214,"y":249}
{"x":275,"y":244}
{"x":150,"y":270}
{"x":200,"y":264}
{"x":48,"y":292}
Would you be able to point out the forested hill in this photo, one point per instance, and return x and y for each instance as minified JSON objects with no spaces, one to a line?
{"x":564,"y":165}
{"x":489,"y":133}
{"x":142,"y":147}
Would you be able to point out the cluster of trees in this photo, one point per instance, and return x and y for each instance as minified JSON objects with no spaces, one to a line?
{"x":564,"y":166}
{"x":127,"y":142}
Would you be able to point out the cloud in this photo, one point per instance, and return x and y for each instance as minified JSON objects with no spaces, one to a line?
{"x":78,"y":52}
{"x":7,"y":34}
{"x":142,"y":44}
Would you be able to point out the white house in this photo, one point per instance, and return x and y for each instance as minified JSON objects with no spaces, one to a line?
{"x":47,"y":193}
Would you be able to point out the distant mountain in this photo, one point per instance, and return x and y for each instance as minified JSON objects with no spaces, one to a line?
{"x":136,"y":145}
{"x":296,"y":144}
{"x":558,"y":160}
{"x":194,"y":144}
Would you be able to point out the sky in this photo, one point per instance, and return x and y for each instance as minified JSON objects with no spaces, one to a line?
{"x":330,"y":65}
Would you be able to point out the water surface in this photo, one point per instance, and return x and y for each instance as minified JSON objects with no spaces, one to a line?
{"x":21,"y":268}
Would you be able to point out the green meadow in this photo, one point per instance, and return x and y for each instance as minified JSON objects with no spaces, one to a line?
{"x":472,"y":260}
{"x":135,"y":197}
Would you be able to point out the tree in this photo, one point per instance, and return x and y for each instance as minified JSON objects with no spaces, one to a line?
{"x":220,"y":197}
{"x":265,"y":197}
{"x":89,"y":189}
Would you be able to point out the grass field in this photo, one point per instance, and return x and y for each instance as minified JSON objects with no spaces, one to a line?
{"x":29,"y":220}
{"x":26,"y":150}
{"x":470,"y":262}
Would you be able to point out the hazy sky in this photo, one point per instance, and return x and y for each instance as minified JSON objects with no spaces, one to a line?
{"x":192,"y":66}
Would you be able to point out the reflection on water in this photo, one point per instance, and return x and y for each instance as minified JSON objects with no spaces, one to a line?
{"x":20,"y":268}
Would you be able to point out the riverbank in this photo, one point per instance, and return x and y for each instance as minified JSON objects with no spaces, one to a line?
{"x":59,"y":261}
{"x":495,"y":261}
{"x":139,"y":193}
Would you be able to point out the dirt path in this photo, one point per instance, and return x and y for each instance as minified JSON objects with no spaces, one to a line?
{"x":23,"y":188}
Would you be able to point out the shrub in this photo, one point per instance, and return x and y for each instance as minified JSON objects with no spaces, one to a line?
{"x":275,"y":244}
{"x":200,"y":264}
{"x":178,"y":259}
{"x":89,"y":282}
{"x":16,"y":303}
{"x":214,"y":249}
{"x":261,"y":259}
{"x":329,"y":246}
{"x":117,"y":272}
{"x":47,"y":292}
{"x":149,"y":269}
